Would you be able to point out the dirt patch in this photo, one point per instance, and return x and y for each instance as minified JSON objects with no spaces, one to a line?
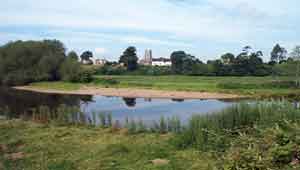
{"x":1,"y":165}
{"x":15,"y":156}
{"x":137,"y":93}
{"x":160,"y":162}
{"x":3,"y":148}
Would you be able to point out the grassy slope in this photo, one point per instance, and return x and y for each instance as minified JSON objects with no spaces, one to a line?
{"x":71,"y":148}
{"x":256,"y":86}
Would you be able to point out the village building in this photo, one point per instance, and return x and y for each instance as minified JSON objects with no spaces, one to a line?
{"x":148,"y":60}
{"x":161,"y":62}
{"x":100,"y":62}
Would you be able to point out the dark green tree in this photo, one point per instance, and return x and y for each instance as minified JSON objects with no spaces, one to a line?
{"x":86,"y":57}
{"x":177,"y":58}
{"x":278,"y":54}
{"x":227,"y":58}
{"x":73,"y":55}
{"x":28,"y":61}
{"x":129,"y":58}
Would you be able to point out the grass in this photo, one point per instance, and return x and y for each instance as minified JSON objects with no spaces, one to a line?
{"x":250,"y":86}
{"x":56,"y":86}
{"x":80,"y":147}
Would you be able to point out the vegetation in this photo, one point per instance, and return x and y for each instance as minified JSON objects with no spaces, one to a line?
{"x":86,"y":57}
{"x":23,"y":62}
{"x":129,"y":59}
{"x":252,"y":86}
{"x":248,"y":136}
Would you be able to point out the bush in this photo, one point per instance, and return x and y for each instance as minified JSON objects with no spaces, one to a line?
{"x":23,"y":62}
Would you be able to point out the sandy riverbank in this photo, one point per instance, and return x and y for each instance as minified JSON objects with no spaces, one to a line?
{"x":135,"y":93}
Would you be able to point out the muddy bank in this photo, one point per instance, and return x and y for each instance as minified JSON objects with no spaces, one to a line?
{"x":136,"y":93}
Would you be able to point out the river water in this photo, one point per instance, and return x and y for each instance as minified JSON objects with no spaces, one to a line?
{"x":145,"y":109}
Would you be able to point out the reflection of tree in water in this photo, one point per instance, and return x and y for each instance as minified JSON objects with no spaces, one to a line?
{"x":178,"y":100}
{"x":130,"y":102}
{"x":20,"y":102}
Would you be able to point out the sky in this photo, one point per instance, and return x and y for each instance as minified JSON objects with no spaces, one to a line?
{"x":204,"y":28}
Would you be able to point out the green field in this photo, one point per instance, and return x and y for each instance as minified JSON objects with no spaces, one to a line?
{"x":250,"y":86}
{"x":44,"y":147}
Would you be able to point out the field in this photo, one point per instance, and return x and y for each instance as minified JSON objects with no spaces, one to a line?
{"x":250,"y":86}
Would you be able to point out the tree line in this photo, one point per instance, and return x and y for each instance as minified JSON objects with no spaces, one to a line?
{"x":23,"y":62}
{"x":248,"y":62}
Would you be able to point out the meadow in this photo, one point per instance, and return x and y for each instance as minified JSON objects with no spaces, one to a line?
{"x":248,"y":86}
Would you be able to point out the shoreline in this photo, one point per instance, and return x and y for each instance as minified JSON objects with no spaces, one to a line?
{"x":135,"y":93}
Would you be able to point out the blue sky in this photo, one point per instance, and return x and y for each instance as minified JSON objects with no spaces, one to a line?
{"x":204,"y":28}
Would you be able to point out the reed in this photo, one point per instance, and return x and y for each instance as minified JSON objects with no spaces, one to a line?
{"x":216,"y":130}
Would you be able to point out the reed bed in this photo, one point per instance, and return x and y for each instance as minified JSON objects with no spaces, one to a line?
{"x":216,"y":130}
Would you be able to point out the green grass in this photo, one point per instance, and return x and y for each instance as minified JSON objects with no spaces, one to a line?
{"x":254,"y":86}
{"x":56,"y":86}
{"x":249,"y":86}
{"x":80,"y":148}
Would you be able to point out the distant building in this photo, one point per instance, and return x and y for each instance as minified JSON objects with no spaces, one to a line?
{"x":150,"y":61}
{"x":87,"y":62}
{"x":100,"y":62}
{"x":161,"y":62}
{"x":147,"y":60}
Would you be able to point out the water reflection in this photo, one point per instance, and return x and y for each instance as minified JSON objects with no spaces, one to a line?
{"x":19,"y":102}
{"x":130,"y":102}
{"x":178,"y":100}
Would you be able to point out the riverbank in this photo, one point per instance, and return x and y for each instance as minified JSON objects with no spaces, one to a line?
{"x":134,"y":93}
{"x":177,"y":87}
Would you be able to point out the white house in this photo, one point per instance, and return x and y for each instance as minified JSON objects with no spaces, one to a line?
{"x":161,"y":62}
{"x":100,"y":62}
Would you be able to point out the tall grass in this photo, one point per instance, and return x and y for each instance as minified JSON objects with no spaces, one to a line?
{"x":216,"y":130}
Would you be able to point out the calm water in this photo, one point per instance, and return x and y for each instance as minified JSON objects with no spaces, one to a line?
{"x":144,"y":109}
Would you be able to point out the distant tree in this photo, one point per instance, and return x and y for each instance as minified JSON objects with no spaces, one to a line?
{"x":247,"y":50}
{"x":295,"y":55}
{"x":86,"y":57}
{"x":227,"y":58}
{"x":177,"y":61}
{"x":129,"y":58}
{"x":248,"y":62}
{"x":183,"y":63}
{"x":73,"y":55}
{"x":278,"y":54}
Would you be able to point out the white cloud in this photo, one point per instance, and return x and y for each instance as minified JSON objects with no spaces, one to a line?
{"x":186,"y":24}
{"x":100,"y":50}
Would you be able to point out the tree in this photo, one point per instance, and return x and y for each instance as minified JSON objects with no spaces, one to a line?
{"x":278,"y":54}
{"x":295,"y":54}
{"x":248,"y":62}
{"x":73,"y":55}
{"x":70,"y":70}
{"x":227,"y":58}
{"x":86,"y":57}
{"x":23,"y":62}
{"x":177,"y":61}
{"x":183,"y":63}
{"x":129,"y":58}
